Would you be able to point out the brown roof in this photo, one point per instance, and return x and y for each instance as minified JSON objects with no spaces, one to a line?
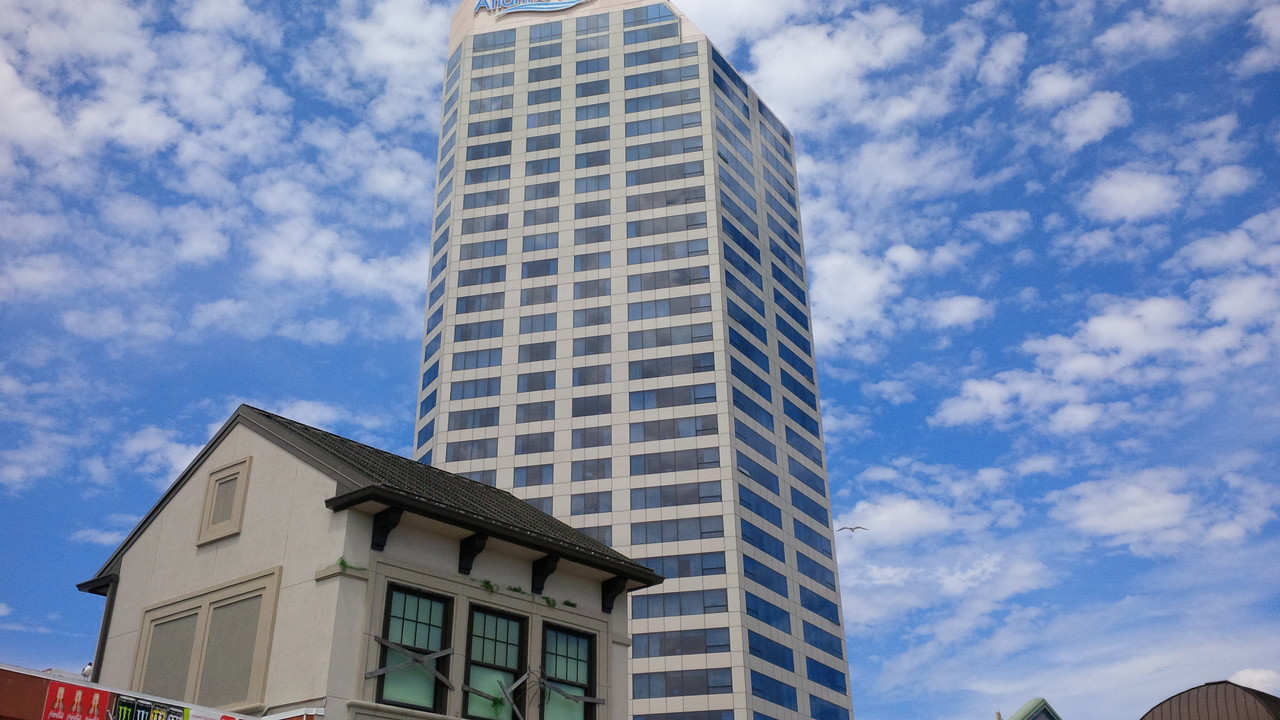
{"x":1217,"y":701}
{"x":367,"y":474}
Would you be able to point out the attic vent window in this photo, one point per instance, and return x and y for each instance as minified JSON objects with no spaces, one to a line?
{"x":224,"y":501}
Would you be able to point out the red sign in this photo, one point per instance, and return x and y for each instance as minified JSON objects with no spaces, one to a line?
{"x":74,"y":702}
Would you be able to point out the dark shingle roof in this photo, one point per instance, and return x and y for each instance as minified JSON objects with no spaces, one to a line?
{"x":458,"y":498}
{"x":1217,"y":701}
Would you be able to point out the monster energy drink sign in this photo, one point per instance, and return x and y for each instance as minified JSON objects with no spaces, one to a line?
{"x":503,"y":7}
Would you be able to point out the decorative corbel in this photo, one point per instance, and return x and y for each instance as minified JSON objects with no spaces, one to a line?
{"x":542,"y":569}
{"x":609,"y":591}
{"x":383,"y":523}
{"x":468,"y":550}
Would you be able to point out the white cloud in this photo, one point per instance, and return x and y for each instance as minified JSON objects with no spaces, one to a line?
{"x":1003,"y":61}
{"x":110,"y":538}
{"x":893,"y":391}
{"x":1266,"y":56}
{"x":1203,"y":7}
{"x":1131,"y":195}
{"x":727,"y":26}
{"x":814,"y":74}
{"x":157,"y":453}
{"x":1000,"y":226}
{"x":1092,"y":119}
{"x":5,"y":610}
{"x":1051,"y":86}
{"x":1039,"y":465}
{"x":1139,"y":508}
{"x":1263,"y":679}
{"x":959,"y":311}
{"x":1225,"y":182}
{"x":1139,"y":33}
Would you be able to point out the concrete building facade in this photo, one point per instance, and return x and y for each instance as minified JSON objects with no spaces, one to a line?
{"x":293,"y":573}
{"x":618,"y":331}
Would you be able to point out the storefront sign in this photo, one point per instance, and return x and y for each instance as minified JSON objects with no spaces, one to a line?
{"x":503,"y":7}
{"x":74,"y":702}
{"x":128,"y":708}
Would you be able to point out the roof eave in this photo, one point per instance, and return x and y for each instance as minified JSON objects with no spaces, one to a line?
{"x":425,"y":508}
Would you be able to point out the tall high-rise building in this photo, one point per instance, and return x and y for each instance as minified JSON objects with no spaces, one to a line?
{"x":618,"y":330}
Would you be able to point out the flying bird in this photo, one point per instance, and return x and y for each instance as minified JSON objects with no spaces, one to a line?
{"x":855,"y":528}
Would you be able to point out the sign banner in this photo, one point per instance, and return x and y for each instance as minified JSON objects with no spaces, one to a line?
{"x":128,"y":708}
{"x":504,"y":7}
{"x":65,"y":701}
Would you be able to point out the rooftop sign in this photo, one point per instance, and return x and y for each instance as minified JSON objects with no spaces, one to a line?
{"x":503,"y":7}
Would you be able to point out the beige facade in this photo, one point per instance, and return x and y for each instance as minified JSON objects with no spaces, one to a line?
{"x":287,"y":605}
{"x":618,"y":331}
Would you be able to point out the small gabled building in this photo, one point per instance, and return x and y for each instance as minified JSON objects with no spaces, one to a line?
{"x":289,"y":568}
{"x":1036,"y":709}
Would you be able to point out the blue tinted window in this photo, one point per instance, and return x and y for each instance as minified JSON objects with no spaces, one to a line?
{"x":820,"y":709}
{"x":811,"y":568}
{"x":756,"y":412}
{"x":755,"y":441}
{"x":775,"y":691}
{"x":822,"y":607}
{"x":761,"y":539}
{"x":694,"y":602}
{"x":823,"y":640}
{"x":752,"y":380}
{"x":768,"y":613}
{"x":813,"y":538}
{"x":763,"y":476}
{"x":826,"y":676}
{"x":758,"y":505}
{"x":764,"y":575}
{"x":810,"y":507}
{"x":771,"y":652}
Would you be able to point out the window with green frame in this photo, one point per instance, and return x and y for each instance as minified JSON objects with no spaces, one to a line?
{"x":418,"y":623}
{"x":567,"y":666}
{"x":495,"y":658}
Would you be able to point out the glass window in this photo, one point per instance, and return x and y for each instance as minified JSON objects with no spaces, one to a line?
{"x":671,"y":366}
{"x":537,"y":352}
{"x":536,"y":382}
{"x":676,"y":461}
{"x":586,"y":289}
{"x":470,"y":389}
{"x":591,"y":209}
{"x":481,"y":276}
{"x":541,"y":74}
{"x":827,"y":642}
{"x":537,"y":323}
{"x":751,"y":500}
{"x":487,"y":42}
{"x":592,"y":405}
{"x":545,"y":95}
{"x":477,"y":330}
{"x":768,"y":613}
{"x":663,"y":279}
{"x":569,"y":666}
{"x":675,"y":495}
{"x":489,"y":174}
{"x":819,"y":605}
{"x":491,"y":104}
{"x":533,"y":443}
{"x":592,"y":437}
{"x":534,"y":475}
{"x":538,"y":296}
{"x":592,"y":88}
{"x":544,"y":166}
{"x":538,"y":268}
{"x":665,"y":337}
{"x":546,"y":32}
{"x":598,"y":469}
{"x":591,"y":503}
{"x":826,"y":676}
{"x":542,"y":142}
{"x":593,"y":183}
{"x":471,"y":450}
{"x":489,"y":127}
{"x":593,"y":261}
{"x":536,"y":412}
{"x":592,"y":375}
{"x":419,"y":623}
{"x":774,"y":653}
{"x":820,"y":709}
{"x":672,"y":604}
{"x":672,"y":396}
{"x":591,"y":317}
{"x":545,"y":118}
{"x":815,"y":570}
{"x":479,"y":250}
{"x":773,"y":690}
{"x":674,"y":428}
{"x":665,"y":173}
{"x":592,"y":112}
{"x":542,"y":241}
{"x":495,"y":657}
{"x":593,"y":65}
{"x":764,"y":575}
{"x":763,"y":540}
{"x":544,"y":52}
{"x":480,"y":303}
{"x":682,"y":683}
{"x":475,"y":359}
{"x":595,"y":158}
{"x":692,"y":565}
{"x":592,"y":44}
{"x":492,"y":82}
{"x":540,"y":191}
{"x":680,"y":642}
{"x":541,"y":216}
{"x":593,"y":24}
{"x":591,"y":346}
{"x":591,"y":236}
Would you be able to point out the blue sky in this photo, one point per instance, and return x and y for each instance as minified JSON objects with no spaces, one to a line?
{"x":1044,"y":242}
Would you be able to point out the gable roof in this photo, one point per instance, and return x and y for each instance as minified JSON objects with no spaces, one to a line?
{"x":367,"y":474}
{"x":1217,"y":701}
{"x":1036,"y":710}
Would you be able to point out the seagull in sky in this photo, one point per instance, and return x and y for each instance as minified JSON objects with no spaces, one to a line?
{"x":855,"y":528}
